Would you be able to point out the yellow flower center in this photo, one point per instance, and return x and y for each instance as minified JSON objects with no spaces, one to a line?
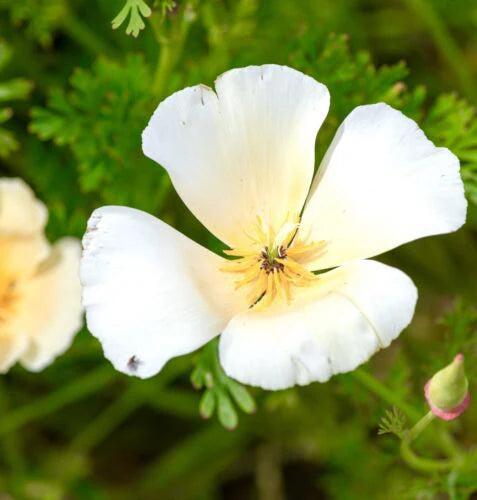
{"x":273,"y":264}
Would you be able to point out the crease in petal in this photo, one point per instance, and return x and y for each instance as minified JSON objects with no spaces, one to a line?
{"x":150,"y":293}
{"x":332,"y":327}
{"x":382,"y":183}
{"x":249,"y":147}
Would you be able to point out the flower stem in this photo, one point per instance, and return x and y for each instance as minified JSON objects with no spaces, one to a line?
{"x":138,"y":393}
{"x":374,"y":385}
{"x":93,"y":382}
{"x":116,"y":413}
{"x":450,"y":51}
{"x":83,"y":35}
{"x":421,"y":425}
{"x":414,"y":460}
{"x":423,"y":464}
{"x":170,"y":44}
{"x":10,"y":442}
{"x":442,"y":438}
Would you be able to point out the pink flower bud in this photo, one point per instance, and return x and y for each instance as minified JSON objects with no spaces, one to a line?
{"x":447,"y":392}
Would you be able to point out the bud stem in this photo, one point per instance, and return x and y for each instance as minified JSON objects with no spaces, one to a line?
{"x":423,"y":464}
{"x":420,"y":463}
{"x":421,"y":425}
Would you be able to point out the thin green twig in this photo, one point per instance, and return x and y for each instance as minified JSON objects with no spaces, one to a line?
{"x":378,"y":388}
{"x":79,"y":32}
{"x":171,"y":43}
{"x":102,"y":426}
{"x":10,"y":442}
{"x":445,"y":43}
{"x":421,"y":464}
{"x":442,"y":438}
{"x":93,"y":382}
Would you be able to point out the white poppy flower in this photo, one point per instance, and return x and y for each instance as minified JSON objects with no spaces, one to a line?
{"x":40,"y":292}
{"x":242,"y":159}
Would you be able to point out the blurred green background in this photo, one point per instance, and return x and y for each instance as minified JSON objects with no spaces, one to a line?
{"x":74,"y":98}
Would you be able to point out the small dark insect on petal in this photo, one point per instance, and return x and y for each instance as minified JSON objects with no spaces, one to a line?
{"x":133,"y":363}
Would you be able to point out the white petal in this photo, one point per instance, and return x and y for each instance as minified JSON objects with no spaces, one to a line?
{"x":12,"y":346}
{"x":20,"y":212}
{"x":336,"y":325}
{"x":50,"y":310}
{"x":150,"y":293}
{"x":244,"y":152}
{"x":382,"y":183}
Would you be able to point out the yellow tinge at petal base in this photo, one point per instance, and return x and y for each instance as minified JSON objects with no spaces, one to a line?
{"x":247,"y":150}
{"x":273,"y":265}
{"x":40,"y":294}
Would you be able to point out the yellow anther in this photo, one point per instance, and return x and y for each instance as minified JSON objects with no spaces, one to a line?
{"x":273,"y":263}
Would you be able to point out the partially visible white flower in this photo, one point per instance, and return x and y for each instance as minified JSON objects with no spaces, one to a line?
{"x":40,"y":293}
{"x":242,"y":159}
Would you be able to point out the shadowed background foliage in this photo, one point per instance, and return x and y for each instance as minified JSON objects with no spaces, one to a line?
{"x":74,"y":98}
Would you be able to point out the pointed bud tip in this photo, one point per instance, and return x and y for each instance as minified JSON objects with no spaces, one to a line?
{"x":459,"y":358}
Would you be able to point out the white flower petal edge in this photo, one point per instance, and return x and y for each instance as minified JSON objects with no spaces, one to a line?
{"x":150,"y":293}
{"x":50,"y":312}
{"x":244,"y":152}
{"x":350,"y":313}
{"x":12,"y":348}
{"x":20,"y":212}
{"x":382,"y":183}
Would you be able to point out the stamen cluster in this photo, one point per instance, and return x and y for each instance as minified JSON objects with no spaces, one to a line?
{"x":269,"y":264}
{"x":273,"y":264}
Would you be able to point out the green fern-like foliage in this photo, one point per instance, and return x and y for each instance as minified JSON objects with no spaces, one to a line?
{"x":135,"y":10}
{"x":13,"y":89}
{"x":354,"y":80}
{"x":38,"y":18}
{"x":100,"y":120}
{"x":221,"y":394}
{"x":128,"y":438}
{"x":452,"y":122}
{"x":393,"y":422}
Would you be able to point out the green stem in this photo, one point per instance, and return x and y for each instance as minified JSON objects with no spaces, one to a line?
{"x":374,"y":385}
{"x":171,"y":44}
{"x":10,"y":442}
{"x":138,"y":393}
{"x":423,"y":464}
{"x":444,"y":42}
{"x":108,"y":420}
{"x":449,"y":445}
{"x":83,"y":35}
{"x":421,"y":425}
{"x":93,"y":382}
{"x":164,"y":67}
{"x":177,"y":402}
{"x":442,"y":438}
{"x":414,"y":460}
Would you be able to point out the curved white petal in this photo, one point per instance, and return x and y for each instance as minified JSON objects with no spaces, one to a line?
{"x":331,"y":328}
{"x":50,"y":311}
{"x":243,"y":152}
{"x":382,"y":183}
{"x":150,"y":293}
{"x":12,"y":346}
{"x":20,"y":212}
